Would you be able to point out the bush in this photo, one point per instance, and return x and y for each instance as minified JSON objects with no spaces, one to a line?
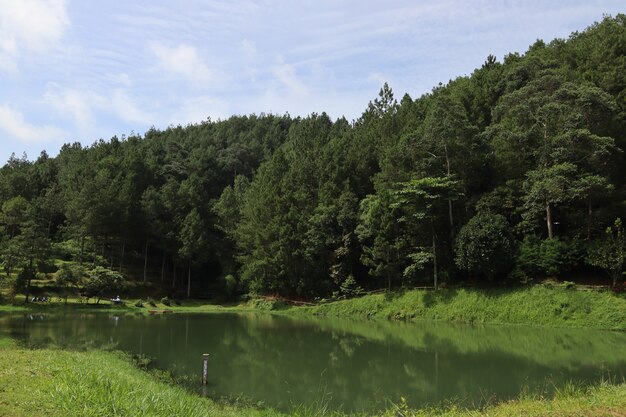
{"x":548,"y":257}
{"x":485,"y":246}
{"x":151,"y":302}
{"x":103,"y":282}
{"x":139,"y":303}
{"x":231,"y":285}
{"x":69,"y":278}
{"x":569,"y":285}
{"x":66,"y":250}
{"x":166,"y":301}
{"x":267,"y":304}
{"x":47,"y":267}
{"x":350,"y":288}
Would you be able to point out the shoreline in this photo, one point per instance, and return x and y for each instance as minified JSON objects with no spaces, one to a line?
{"x":536,"y":306}
{"x":409,"y":306}
{"x":73,"y":383}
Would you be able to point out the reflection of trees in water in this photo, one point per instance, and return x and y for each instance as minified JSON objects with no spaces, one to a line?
{"x":345,"y":364}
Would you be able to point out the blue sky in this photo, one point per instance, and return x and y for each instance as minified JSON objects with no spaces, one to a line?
{"x":77,"y":70}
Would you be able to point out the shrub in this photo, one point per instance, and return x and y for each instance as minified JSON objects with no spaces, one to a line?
{"x":548,"y":257}
{"x":151,"y":302}
{"x":267,"y":304}
{"x":166,"y":301}
{"x":569,"y":285}
{"x":485,"y":246}
{"x":69,"y":278}
{"x":609,"y":253}
{"x":47,"y":267}
{"x":103,"y":282}
{"x":139,"y":303}
{"x":350,"y":288}
{"x":231,"y":284}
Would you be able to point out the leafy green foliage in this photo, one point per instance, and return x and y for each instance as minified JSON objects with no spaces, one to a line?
{"x":296,"y":206}
{"x":102,"y":282}
{"x":610,"y":252}
{"x":548,"y":257}
{"x":485,"y":246}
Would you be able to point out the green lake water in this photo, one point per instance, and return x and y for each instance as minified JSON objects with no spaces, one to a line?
{"x":346,"y":365}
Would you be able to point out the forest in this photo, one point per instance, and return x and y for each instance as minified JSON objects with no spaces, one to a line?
{"x":510,"y":174}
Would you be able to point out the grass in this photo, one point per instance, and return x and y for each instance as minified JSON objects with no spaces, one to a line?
{"x":50,"y":382}
{"x":94,"y":383}
{"x":537,"y":305}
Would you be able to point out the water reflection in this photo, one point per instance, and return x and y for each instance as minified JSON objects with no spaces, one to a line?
{"x":346,"y":365}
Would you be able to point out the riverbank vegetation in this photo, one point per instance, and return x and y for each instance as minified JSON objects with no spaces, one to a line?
{"x":536,"y":306}
{"x":547,"y":305}
{"x":96,"y":383}
{"x":513,"y":173}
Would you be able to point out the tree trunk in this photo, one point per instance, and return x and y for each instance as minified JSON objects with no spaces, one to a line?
{"x":163,"y":269}
{"x":589,"y":218}
{"x":145,"y":262}
{"x":549,"y":221}
{"x":450,"y":215}
{"x":189,"y":281}
{"x":82,"y":250}
{"x":434,"y":257}
{"x":388,"y":273}
{"x":122,"y":257}
{"x":451,"y":218}
{"x":174,"y":275}
{"x":30,"y":275}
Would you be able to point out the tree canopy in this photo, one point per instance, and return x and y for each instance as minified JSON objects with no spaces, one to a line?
{"x":521,"y":161}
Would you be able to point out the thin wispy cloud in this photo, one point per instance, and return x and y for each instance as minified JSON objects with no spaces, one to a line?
{"x":13,"y":123}
{"x":183,"y":61}
{"x":73,"y":70}
{"x":286,"y":74}
{"x":30,"y":26}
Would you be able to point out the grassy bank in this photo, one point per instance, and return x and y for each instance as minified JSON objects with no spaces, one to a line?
{"x":95,"y":383}
{"x":534,"y":305}
{"x":537,"y":305}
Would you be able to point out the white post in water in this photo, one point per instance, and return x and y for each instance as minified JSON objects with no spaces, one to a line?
{"x":205,"y":369}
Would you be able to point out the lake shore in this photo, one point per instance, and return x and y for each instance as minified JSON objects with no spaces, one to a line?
{"x":536,"y":305}
{"x":94,"y":383}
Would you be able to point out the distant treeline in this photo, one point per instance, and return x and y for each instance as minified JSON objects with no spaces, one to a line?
{"x":513,"y":171}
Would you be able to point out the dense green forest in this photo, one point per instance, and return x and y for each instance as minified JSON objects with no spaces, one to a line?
{"x":512,"y":173}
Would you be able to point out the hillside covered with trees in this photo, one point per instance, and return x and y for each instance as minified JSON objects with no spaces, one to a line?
{"x":516,"y":171}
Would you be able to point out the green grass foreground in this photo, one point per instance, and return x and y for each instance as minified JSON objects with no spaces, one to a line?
{"x":536,"y":305}
{"x":51,"y":382}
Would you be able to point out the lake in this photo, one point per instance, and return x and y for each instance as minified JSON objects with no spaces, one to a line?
{"x":347,"y":365}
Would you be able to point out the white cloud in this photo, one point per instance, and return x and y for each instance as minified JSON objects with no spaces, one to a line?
{"x":76,"y":104}
{"x":183,"y":61}
{"x":122,"y":79}
{"x":13,"y":123}
{"x":286,"y":74}
{"x":31,"y":25}
{"x":197,"y":109}
{"x":81,"y":105}
{"x":124,"y":107}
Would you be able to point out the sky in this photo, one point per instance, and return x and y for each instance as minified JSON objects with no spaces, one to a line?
{"x":79,"y":70}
